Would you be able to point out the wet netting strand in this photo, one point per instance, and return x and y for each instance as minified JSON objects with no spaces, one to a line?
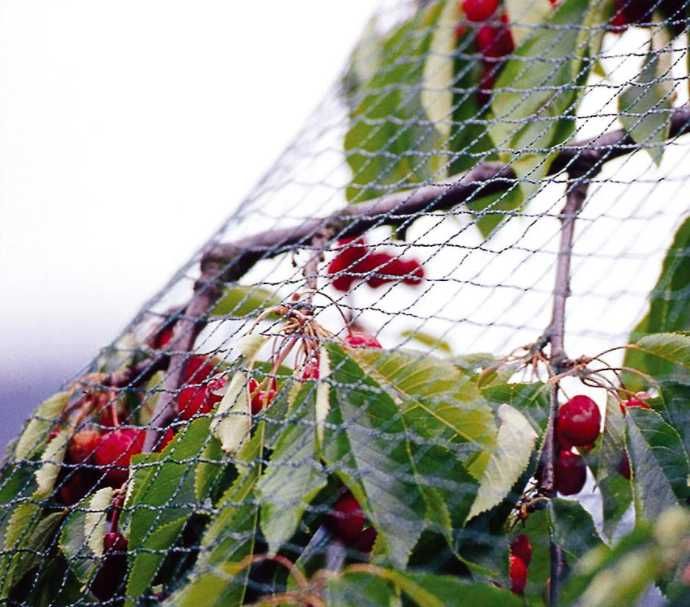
{"x":438,"y":356}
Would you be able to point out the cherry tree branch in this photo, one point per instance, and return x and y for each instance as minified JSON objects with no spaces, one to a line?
{"x":227,"y":262}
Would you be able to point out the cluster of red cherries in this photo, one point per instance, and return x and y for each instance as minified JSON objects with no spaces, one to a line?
{"x":493,"y":40}
{"x":354,"y":260}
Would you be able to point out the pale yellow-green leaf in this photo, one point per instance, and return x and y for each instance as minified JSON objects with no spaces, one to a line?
{"x":525,"y":16}
{"x":233,"y":421}
{"x":95,"y":519}
{"x":438,"y":76}
{"x":51,"y":461}
{"x":514,"y":445}
{"x":36,"y":431}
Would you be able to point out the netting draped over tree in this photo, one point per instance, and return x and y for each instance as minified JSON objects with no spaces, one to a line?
{"x":439,"y":356}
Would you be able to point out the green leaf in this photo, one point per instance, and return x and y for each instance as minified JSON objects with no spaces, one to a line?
{"x":510,"y":458}
{"x":423,"y":589}
{"x":437,"y":398}
{"x":668,"y":309}
{"x":671,"y":347}
{"x":208,"y":470}
{"x":388,"y":143}
{"x":426,"y":339}
{"x":51,"y":462}
{"x":645,"y":106}
{"x":526,"y":16}
{"x":455,"y":428}
{"x":657,"y":464}
{"x":532,"y":400}
{"x":27,"y":537}
{"x":43,"y":421}
{"x":536,"y":95}
{"x":438,"y":77}
{"x":367,"y":445}
{"x":228,"y":538}
{"x":238,"y":301}
{"x":652,"y":489}
{"x":364,"y":62}
{"x":358,"y":589}
{"x":81,"y":538}
{"x":293,"y":476}
{"x":572,"y":528}
{"x":148,"y":557}
{"x":673,"y":406}
{"x":16,"y":485}
{"x":164,"y":498}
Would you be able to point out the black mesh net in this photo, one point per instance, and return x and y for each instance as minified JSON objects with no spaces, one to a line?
{"x":438,"y":356}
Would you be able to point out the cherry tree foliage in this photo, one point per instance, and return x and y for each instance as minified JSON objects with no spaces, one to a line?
{"x":308,"y":458}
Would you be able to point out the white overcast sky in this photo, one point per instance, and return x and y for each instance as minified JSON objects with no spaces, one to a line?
{"x":128,"y":131}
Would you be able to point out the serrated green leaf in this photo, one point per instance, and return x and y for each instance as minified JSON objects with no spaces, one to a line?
{"x":644,"y":107}
{"x":426,"y":339}
{"x":668,"y":310}
{"x":665,"y":446}
{"x":532,"y":400}
{"x":436,"y":397}
{"x":74,"y":544}
{"x":367,"y":446}
{"x":514,"y":445}
{"x":388,"y":143}
{"x":358,"y":589}
{"x":652,"y":490}
{"x":27,"y":537}
{"x":42,"y":422}
{"x":536,"y":94}
{"x":572,"y":528}
{"x":293,"y":476}
{"x":148,"y":557}
{"x":209,"y":469}
{"x":671,"y":347}
{"x":238,"y":301}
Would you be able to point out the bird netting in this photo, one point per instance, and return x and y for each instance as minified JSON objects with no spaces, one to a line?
{"x":438,"y":356}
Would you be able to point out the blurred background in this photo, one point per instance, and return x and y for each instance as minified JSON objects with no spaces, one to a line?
{"x":128,"y":132}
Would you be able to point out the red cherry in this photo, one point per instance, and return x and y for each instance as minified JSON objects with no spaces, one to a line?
{"x":83,"y":445}
{"x":624,"y":467}
{"x":495,"y":41}
{"x":479,"y":10}
{"x":412,"y":271}
{"x":633,"y":402}
{"x":345,"y":261}
{"x":570,"y":473}
{"x":521,"y":548}
{"x":261,"y":398}
{"x":310,"y":372}
{"x":196,"y":369}
{"x":517,"y":571}
{"x":75,"y":487}
{"x":114,"y":541}
{"x":163,"y":337}
{"x":200,"y":400}
{"x":365,"y":542}
{"x":357,"y":339}
{"x":347,"y":520}
{"x":578,"y":421}
{"x":115,"y":452}
{"x":378,"y":265}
